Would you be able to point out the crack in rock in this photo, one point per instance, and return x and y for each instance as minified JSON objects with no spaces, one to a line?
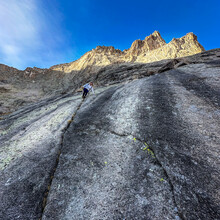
{"x":180,"y":215}
{"x":57,"y":160}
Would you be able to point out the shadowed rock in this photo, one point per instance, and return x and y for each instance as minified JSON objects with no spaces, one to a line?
{"x":142,"y":149}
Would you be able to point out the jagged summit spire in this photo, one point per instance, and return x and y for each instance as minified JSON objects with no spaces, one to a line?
{"x":156,"y":33}
{"x":151,"y":42}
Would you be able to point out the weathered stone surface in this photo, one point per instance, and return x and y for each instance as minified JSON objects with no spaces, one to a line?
{"x":30,"y":141}
{"x":103,"y":174}
{"x":104,"y":171}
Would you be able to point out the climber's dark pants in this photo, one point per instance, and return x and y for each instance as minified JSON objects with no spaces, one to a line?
{"x":85,"y":92}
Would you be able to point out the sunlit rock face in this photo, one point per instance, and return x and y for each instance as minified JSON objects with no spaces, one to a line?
{"x":141,"y":47}
{"x":152,"y":48}
{"x":181,"y":47}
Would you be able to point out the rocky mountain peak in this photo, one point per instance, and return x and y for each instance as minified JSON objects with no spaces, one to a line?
{"x":152,"y":48}
{"x":188,"y":42}
{"x":156,"y":33}
{"x":154,"y":41}
{"x":151,"y":42}
{"x":155,"y":36}
{"x":191,"y":36}
{"x":188,"y":37}
{"x":107,"y":50}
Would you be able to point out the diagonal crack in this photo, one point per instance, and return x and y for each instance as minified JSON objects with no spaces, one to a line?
{"x":44,"y":202}
{"x":181,"y":216}
{"x":114,"y":133}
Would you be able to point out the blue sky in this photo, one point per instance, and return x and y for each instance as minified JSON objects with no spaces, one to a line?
{"x":43,"y":33}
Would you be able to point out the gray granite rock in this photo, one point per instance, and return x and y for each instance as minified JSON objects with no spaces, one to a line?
{"x":30,"y":143}
{"x":146,"y":148}
{"x":107,"y":172}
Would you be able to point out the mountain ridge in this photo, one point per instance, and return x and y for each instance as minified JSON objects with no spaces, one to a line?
{"x":152,"y":48}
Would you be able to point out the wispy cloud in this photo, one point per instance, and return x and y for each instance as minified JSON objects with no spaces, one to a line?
{"x":30,"y":33}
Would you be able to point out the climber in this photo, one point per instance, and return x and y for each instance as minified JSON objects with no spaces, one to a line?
{"x":87,"y":88}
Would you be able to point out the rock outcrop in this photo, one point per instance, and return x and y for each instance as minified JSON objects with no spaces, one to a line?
{"x":140,"y":149}
{"x":152,"y":48}
{"x":182,"y":47}
{"x":140,"y":47}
